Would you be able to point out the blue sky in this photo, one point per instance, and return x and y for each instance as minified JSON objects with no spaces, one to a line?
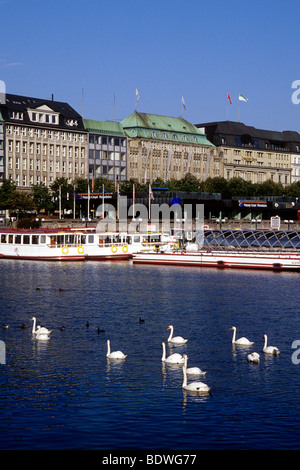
{"x":94,"y":54}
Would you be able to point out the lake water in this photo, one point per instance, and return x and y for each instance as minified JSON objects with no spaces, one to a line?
{"x":65,"y":394}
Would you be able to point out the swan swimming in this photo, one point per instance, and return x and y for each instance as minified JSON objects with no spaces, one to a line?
{"x":175,"y":339}
{"x":270,"y":349}
{"x":192,"y":370}
{"x":40,"y":332}
{"x":114,"y":354}
{"x":242,"y":341}
{"x":173,"y":358}
{"x":253,"y":357}
{"x":194,"y":386}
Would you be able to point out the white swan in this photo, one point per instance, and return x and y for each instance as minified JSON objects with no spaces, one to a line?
{"x":175,"y":339}
{"x":173,"y":358}
{"x":40,"y":332}
{"x":242,"y":341}
{"x":253,"y":357}
{"x":192,"y":370}
{"x":194,"y":386}
{"x":114,"y":354}
{"x":270,"y":349}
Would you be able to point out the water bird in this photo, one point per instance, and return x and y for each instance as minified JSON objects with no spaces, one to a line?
{"x":173,"y":358}
{"x":61,"y":289}
{"x":40,"y":332}
{"x":175,"y":339}
{"x":4,"y":325}
{"x":23,"y":326}
{"x":254,"y":357}
{"x":87,"y":324}
{"x":270,"y":349}
{"x":192,"y":370}
{"x":62,"y":328}
{"x":141,"y":320}
{"x":100,"y":331}
{"x":241,"y":341}
{"x":199,"y":387}
{"x":114,"y":354}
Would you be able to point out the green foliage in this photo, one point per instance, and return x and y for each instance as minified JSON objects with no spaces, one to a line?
{"x":41,"y":197}
{"x":47,"y":199}
{"x":7,"y":191}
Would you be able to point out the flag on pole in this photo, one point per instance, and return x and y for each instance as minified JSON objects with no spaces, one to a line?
{"x":93,"y":184}
{"x":183,"y":103}
{"x":150,"y":192}
{"x":243,"y":98}
{"x":137,"y":97}
{"x":228,"y":97}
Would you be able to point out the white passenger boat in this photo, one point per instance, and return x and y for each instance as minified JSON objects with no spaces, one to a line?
{"x":277,"y":261}
{"x":75,"y":245}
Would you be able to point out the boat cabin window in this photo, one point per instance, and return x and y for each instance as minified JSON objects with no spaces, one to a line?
{"x":3,"y":238}
{"x":10,"y":238}
{"x":18,"y":239}
{"x":26,"y":239}
{"x":90,"y":238}
{"x":35,"y":239}
{"x":136,"y":238}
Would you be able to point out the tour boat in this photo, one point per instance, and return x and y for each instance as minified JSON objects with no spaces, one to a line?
{"x":75,"y":245}
{"x":278,"y":261}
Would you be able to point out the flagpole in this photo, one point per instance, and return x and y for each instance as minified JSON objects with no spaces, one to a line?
{"x":59,"y":198}
{"x":149,"y":202}
{"x":133,"y":200}
{"x":137,"y":97}
{"x":74,"y":202}
{"x":88,"y":211}
{"x":102,"y":201}
{"x":118,"y":202}
{"x":227,"y":105}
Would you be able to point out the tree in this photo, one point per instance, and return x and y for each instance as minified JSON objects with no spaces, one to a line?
{"x":270,"y":188}
{"x":109,"y":185}
{"x":293,"y":190}
{"x":22,"y":202}
{"x":215,"y":185}
{"x":189,"y":183}
{"x":81,"y":185}
{"x":127,"y":186}
{"x":41,"y":197}
{"x":7,"y":191}
{"x":61,"y":188}
{"x":238,"y":187}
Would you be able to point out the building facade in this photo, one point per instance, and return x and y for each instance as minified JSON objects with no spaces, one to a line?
{"x":107,"y":150}
{"x":1,"y":148}
{"x":255,"y":155}
{"x":166,"y":147}
{"x":43,"y":140}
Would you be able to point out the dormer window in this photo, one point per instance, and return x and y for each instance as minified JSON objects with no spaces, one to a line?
{"x":72,"y":122}
{"x":16,"y":115}
{"x":43,"y":114}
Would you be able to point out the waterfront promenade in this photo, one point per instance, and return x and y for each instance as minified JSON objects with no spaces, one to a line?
{"x":208,"y":223}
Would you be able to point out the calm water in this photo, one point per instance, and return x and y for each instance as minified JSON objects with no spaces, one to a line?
{"x":64,"y":394}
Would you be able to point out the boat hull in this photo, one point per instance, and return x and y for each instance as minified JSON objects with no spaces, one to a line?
{"x":248,"y":260}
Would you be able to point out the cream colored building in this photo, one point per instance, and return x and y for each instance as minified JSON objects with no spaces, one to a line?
{"x":255,"y":155}
{"x":166,"y":147}
{"x":43,"y":140}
